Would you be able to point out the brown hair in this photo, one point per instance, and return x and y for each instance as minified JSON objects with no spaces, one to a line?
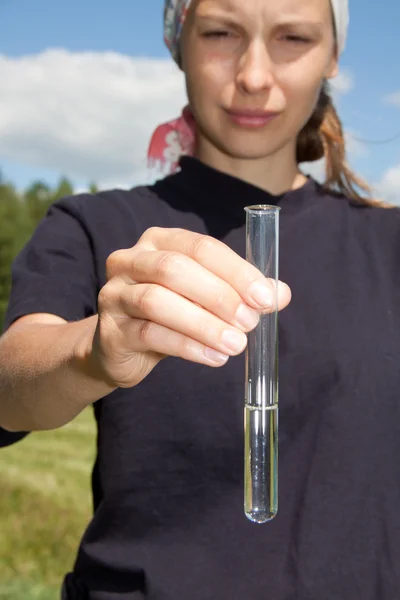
{"x":323,"y":137}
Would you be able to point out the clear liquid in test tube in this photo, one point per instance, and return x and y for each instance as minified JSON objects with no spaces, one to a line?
{"x":261,"y":393}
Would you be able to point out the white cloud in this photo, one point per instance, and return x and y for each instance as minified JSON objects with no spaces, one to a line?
{"x":356,"y":148}
{"x":389,"y":186}
{"x":387,"y":189}
{"x":89,"y":115}
{"x":393,"y":99}
{"x":343,"y":83}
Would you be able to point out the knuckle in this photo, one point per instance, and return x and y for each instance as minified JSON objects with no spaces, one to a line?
{"x":207,"y":330}
{"x":201,"y":244}
{"x":150,"y":235}
{"x":145,"y":332}
{"x":109,"y":295}
{"x":167,"y":265}
{"x":221,"y":300}
{"x":114,"y":263}
{"x":179,"y":234}
{"x":148,"y":300}
{"x":184,"y":347}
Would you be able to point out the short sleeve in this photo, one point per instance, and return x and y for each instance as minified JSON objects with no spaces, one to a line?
{"x":54,"y":273}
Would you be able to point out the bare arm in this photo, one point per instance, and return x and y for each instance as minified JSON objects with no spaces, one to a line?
{"x":175,"y":293}
{"x":45,"y":376}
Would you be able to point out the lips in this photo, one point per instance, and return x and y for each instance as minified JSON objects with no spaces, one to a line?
{"x":251,"y":118}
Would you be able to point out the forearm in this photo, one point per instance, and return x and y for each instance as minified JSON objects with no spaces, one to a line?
{"x":46,"y":377}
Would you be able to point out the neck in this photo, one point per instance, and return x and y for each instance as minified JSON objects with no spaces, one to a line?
{"x":275,"y":174}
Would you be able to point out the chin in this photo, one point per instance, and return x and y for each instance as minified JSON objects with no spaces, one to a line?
{"x":251,"y":144}
{"x":247,"y":144}
{"x":249,"y":151}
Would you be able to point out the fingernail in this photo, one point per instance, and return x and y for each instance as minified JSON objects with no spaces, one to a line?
{"x":234,"y":341}
{"x":247,"y":317}
{"x":215,"y":357}
{"x":262,"y":294}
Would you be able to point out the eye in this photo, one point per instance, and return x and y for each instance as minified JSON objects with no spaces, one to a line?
{"x":297,"y":39}
{"x":217,"y":34}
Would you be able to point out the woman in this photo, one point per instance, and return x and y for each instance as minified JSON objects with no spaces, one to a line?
{"x":112,"y":284}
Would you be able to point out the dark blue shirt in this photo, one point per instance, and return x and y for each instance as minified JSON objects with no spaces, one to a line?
{"x":168,"y":519}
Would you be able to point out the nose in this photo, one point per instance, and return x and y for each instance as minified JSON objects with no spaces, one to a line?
{"x":255,"y":71}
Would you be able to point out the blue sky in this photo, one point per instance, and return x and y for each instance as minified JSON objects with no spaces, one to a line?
{"x":133,"y":28}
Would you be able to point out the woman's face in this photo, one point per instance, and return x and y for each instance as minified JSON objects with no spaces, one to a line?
{"x":257,"y":55}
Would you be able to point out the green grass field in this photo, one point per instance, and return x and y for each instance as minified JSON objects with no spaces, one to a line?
{"x":45,"y":504}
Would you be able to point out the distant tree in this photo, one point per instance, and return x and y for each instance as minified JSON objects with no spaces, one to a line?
{"x":20,"y":213}
{"x":93,"y":188}
{"x":37,"y":198}
{"x":63,"y":189}
{"x":13,"y":230}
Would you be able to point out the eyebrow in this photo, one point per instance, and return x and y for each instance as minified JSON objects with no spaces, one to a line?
{"x":228,"y":17}
{"x":296,"y":22}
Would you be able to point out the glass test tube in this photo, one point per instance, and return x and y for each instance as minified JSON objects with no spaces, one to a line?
{"x":261,"y":393}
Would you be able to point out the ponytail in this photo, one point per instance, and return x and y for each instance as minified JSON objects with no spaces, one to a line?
{"x":322,"y":137}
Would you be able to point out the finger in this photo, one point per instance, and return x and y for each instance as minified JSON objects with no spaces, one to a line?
{"x":162,"y":306}
{"x":119,"y":265}
{"x":187,"y":278}
{"x":146,"y":336}
{"x":215,"y":256}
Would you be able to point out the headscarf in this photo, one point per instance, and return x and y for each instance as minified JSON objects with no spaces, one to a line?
{"x":176,"y":138}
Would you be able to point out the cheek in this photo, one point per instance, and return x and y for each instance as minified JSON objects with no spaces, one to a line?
{"x":218,"y":70}
{"x":301,"y":89}
{"x":209,"y":80}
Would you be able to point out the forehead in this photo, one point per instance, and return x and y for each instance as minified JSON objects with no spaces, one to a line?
{"x":266,"y":9}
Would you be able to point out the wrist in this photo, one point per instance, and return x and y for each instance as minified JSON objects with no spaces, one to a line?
{"x":87,"y":359}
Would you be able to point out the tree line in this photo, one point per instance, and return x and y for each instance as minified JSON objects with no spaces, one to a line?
{"x":20,"y":214}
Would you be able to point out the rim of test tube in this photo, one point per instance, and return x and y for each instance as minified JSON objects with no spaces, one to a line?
{"x":261,"y":208}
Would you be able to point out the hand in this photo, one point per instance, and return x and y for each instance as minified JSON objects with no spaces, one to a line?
{"x":177,"y":293}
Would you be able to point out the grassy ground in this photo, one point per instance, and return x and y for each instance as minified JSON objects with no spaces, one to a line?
{"x":45,"y":504}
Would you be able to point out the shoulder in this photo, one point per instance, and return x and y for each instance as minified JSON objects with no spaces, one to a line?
{"x":368,"y":210}
{"x":374,"y":228}
{"x":381,"y":215}
{"x":105,"y":203}
{"x":115,"y":218}
{"x":109,"y":212}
